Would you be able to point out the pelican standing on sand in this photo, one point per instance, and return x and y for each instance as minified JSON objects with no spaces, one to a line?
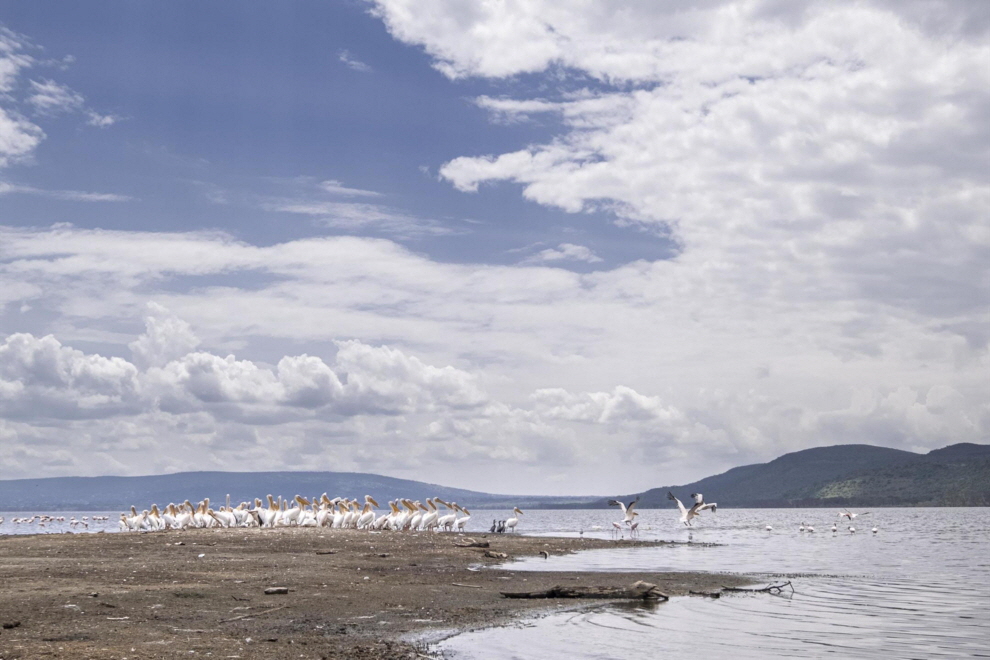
{"x":510,"y":524}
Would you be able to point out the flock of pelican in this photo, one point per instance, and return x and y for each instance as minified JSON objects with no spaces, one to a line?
{"x":322,"y":511}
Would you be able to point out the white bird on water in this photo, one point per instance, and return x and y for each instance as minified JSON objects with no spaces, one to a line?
{"x":834,"y":528}
{"x":875,"y":529}
{"x":769,"y":528}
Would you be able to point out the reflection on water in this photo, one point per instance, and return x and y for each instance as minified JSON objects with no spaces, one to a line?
{"x":918,"y":588}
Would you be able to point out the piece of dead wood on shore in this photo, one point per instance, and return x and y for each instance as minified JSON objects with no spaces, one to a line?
{"x":637,"y":591}
{"x":491,"y":554}
{"x":770,"y":588}
{"x":276,"y":590}
{"x":709,"y":594}
{"x":245,"y":616}
{"x":472,"y":543}
{"x":469,"y":586}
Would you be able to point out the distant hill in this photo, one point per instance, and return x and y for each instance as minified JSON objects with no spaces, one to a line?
{"x":847,"y":475}
{"x":112,"y":493}
{"x":843,"y":475}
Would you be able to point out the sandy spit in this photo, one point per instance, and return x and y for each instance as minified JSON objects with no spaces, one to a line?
{"x":200,"y":593}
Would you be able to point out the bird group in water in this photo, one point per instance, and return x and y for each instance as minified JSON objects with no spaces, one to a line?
{"x":844,"y":513}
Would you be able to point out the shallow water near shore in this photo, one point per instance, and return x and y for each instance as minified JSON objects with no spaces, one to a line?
{"x":918,"y":588}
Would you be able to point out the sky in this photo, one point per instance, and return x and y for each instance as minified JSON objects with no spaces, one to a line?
{"x":518,"y":247}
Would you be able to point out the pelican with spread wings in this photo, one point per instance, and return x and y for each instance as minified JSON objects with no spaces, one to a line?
{"x":627,"y":509}
{"x":699,"y":505}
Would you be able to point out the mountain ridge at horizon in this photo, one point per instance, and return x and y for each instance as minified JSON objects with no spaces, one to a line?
{"x":844,"y":475}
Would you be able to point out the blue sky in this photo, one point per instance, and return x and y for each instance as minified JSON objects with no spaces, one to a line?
{"x":252,"y":102}
{"x":515,"y":247}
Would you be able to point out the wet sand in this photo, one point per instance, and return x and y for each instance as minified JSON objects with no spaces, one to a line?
{"x":352,"y":594}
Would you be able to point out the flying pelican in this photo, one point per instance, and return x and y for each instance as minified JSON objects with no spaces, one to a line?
{"x":852,"y":516}
{"x":510,"y":524}
{"x":699,"y":501}
{"x":627,"y":509}
{"x":698,"y":506}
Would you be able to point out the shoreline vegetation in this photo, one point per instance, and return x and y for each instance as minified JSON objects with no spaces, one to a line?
{"x":351,"y":594}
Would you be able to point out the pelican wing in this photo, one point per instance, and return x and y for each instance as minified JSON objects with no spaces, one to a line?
{"x":670,"y":496}
{"x":629,"y":507}
{"x":618,"y":504}
{"x":711,"y":506}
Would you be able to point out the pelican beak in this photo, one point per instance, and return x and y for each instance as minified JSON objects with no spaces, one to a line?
{"x":372,"y":500}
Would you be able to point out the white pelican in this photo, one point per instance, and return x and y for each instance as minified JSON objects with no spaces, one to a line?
{"x":769,"y":528}
{"x":834,"y":528}
{"x":416,"y":520}
{"x":461,"y":523}
{"x":627,"y":509}
{"x":698,"y":506}
{"x":852,"y":530}
{"x":367,"y":516}
{"x":430,"y":518}
{"x":852,"y":516}
{"x":699,"y":501}
{"x":875,"y":529}
{"x":510,"y":524}
{"x":446,"y":522}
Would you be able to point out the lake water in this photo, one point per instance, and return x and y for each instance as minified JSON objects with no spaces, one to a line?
{"x":918,"y":588}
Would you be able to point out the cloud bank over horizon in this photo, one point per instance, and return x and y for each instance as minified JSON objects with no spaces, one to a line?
{"x":819,"y":169}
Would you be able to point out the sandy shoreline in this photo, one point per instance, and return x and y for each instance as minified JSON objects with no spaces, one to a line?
{"x":353,"y":594}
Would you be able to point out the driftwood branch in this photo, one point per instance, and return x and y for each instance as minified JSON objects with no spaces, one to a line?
{"x":245,"y":616}
{"x":472,"y":543}
{"x":770,"y":588}
{"x":638,"y":591}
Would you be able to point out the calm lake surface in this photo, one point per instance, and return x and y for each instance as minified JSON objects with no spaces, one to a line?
{"x":918,"y":588}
